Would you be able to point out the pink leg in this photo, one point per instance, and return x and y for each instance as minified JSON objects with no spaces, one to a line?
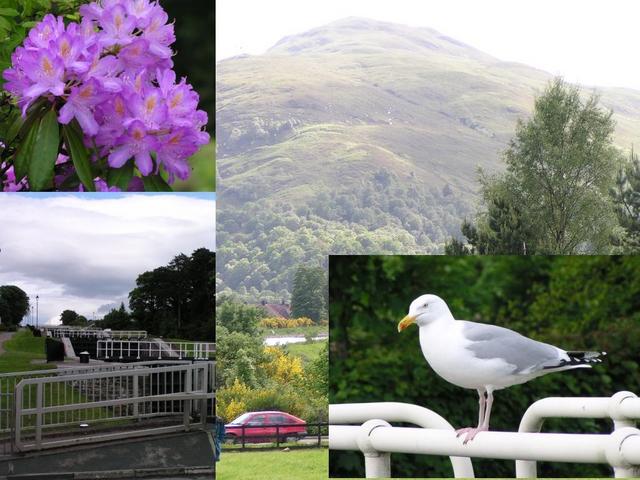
{"x":483,"y":418}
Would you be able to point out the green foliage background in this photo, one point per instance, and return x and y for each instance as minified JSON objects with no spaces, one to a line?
{"x":575,"y":302}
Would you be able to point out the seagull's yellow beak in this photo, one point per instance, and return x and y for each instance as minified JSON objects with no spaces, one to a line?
{"x":406,"y":321}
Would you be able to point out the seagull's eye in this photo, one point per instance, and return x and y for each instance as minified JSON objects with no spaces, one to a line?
{"x":425,"y":305}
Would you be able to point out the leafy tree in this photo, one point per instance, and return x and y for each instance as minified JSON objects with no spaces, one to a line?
{"x":553,"y":198}
{"x":239,"y":317}
{"x":117,"y":319}
{"x":318,"y":374}
{"x":70,"y":318}
{"x":238,"y":356}
{"x":309,"y":295}
{"x":626,"y":198}
{"x":177,"y":299}
{"x":14,"y":304}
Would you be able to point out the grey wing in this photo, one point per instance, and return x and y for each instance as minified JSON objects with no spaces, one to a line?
{"x":526,"y":355}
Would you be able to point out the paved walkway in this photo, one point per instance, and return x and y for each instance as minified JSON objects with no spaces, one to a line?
{"x":4,"y":336}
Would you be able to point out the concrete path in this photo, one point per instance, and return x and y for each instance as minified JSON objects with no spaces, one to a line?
{"x":4,"y":336}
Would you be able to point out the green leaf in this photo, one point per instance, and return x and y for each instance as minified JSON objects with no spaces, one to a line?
{"x":34,"y":114}
{"x":155,"y":183}
{"x":14,"y":128}
{"x":121,"y":177}
{"x":45,"y":152}
{"x":79,"y":156}
{"x":8,"y":12}
{"x":25,"y":151}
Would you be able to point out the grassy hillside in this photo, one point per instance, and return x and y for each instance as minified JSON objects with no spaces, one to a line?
{"x":20,"y":350}
{"x":308,"y":352}
{"x":319,"y":115}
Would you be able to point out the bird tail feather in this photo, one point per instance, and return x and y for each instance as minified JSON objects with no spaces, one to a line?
{"x":579,"y":359}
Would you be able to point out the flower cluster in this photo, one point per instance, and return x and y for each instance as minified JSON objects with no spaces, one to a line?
{"x":113,"y":74}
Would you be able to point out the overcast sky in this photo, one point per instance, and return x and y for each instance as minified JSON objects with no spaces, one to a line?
{"x":591,"y":42}
{"x":83,"y":252}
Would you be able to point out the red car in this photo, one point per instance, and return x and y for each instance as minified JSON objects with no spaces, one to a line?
{"x":265,"y":425}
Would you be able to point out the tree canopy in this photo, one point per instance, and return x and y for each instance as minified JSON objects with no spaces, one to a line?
{"x":14,"y":304}
{"x":309,"y":295}
{"x":554,"y":196}
{"x":117,"y":319}
{"x":177,"y":300}
{"x":70,"y":318}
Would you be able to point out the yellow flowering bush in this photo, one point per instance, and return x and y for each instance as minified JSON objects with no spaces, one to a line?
{"x":279,"y":322}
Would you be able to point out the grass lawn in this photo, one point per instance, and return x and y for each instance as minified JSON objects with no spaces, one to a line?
{"x":304,"y":464}
{"x":20,"y":350}
{"x":307,"y":351}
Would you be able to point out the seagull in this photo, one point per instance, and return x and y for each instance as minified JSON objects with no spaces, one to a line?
{"x":484,"y":357}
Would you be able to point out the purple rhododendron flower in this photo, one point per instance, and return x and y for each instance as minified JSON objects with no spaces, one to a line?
{"x":80,"y":104}
{"x":112,"y":72}
{"x":137,"y":143}
{"x":10,"y":184}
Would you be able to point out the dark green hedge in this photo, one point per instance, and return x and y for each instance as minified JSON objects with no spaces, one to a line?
{"x":573,"y":302}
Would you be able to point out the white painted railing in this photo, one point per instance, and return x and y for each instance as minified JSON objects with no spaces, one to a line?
{"x":79,"y":332}
{"x":377,"y":439}
{"x":154,"y":348}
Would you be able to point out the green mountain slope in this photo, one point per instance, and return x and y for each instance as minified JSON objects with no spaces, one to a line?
{"x":326,"y":124}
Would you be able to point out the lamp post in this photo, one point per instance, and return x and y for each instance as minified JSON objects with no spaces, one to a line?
{"x":37,"y":297}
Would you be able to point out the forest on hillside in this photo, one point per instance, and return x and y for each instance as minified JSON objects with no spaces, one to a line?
{"x":262,"y":242}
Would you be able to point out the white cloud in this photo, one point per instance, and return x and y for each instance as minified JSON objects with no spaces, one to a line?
{"x":81,"y":251}
{"x":592,"y":42}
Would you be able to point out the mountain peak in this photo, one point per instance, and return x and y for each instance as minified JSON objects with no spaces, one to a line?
{"x":365,"y":35}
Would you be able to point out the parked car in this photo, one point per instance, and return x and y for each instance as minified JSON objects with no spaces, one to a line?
{"x":265,"y":426}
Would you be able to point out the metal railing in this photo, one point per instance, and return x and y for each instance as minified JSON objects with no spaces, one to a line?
{"x":277,"y":434}
{"x":8,"y":382}
{"x":139,"y":350}
{"x":80,"y":408}
{"x":97,"y":333}
{"x":377,"y":439}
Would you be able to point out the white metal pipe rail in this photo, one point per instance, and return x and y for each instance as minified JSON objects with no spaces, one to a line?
{"x":621,"y":448}
{"x":376,"y":438}
{"x":623,"y":408}
{"x":350,"y":413}
{"x":49,"y":410}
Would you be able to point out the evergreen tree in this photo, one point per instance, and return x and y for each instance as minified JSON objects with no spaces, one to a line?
{"x":309,"y":296}
{"x":626,"y":197}
{"x":117,"y":319}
